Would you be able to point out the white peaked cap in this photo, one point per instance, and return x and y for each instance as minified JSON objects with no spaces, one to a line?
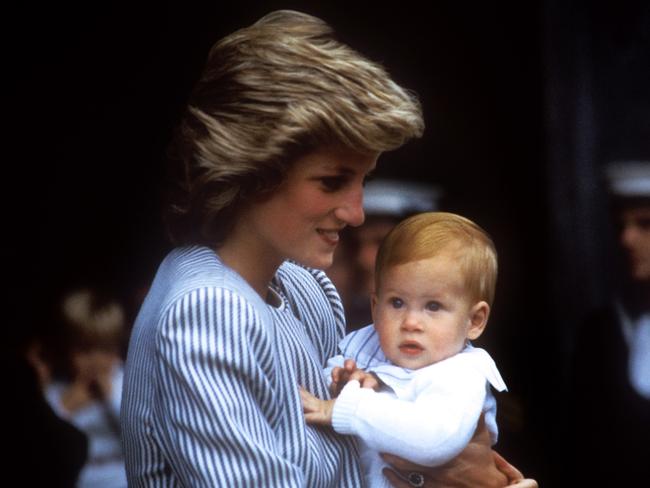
{"x":399,"y":198}
{"x":629,"y":178}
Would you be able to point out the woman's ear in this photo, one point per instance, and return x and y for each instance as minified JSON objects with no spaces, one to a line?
{"x":478,"y":317}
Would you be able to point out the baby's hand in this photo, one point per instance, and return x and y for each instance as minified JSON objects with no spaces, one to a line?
{"x":349,"y":371}
{"x":316,"y":411}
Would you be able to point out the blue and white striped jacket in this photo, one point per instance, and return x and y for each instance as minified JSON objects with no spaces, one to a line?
{"x":211,"y":383}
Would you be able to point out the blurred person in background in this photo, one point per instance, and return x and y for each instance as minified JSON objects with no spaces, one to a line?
{"x":386,"y":202}
{"x":86,"y":385}
{"x":44,"y":449}
{"x":611,"y":377}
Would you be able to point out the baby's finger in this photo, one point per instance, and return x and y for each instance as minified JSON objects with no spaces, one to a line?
{"x":369,"y":381}
{"x":336,"y":374}
{"x":303,"y":394}
{"x":315,"y":418}
{"x":359,"y":375}
{"x":350,"y":365}
{"x":307,"y":399}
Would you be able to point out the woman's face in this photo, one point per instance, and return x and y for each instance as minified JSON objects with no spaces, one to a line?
{"x":323,"y":192}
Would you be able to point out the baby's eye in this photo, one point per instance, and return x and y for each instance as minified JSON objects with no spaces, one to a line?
{"x":396,"y":302}
{"x":433,"y":306}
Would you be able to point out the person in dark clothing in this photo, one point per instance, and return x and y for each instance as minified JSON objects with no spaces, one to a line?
{"x":611,"y":381}
{"x":44,"y":450}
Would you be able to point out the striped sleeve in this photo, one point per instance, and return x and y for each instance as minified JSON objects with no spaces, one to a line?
{"x":217,"y":403}
{"x":332,"y":295}
{"x":316,"y":303}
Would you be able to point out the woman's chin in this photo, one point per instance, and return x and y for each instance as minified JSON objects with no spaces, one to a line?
{"x":318,"y":262}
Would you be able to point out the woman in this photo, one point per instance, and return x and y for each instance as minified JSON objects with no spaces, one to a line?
{"x":279,"y":135}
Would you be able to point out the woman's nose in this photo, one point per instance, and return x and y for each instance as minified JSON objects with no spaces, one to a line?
{"x":350,"y":209}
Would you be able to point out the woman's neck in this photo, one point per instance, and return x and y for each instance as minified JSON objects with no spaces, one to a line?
{"x":250,"y":260}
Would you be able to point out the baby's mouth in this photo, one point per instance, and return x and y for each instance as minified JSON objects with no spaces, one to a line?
{"x":410,"y":348}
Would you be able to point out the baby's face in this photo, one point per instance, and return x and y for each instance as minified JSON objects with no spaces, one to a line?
{"x":421,"y":312}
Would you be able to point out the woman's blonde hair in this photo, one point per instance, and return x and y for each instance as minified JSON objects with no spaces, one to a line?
{"x":270,"y":93}
{"x":426,"y":235}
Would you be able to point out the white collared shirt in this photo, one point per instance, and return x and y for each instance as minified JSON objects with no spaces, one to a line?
{"x":637,"y":338}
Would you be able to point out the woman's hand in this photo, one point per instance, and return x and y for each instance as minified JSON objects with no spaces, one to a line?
{"x":349,"y":371}
{"x":477,"y":466}
{"x":515,"y":478}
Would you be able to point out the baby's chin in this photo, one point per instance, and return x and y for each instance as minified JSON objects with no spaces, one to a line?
{"x":411,"y":363}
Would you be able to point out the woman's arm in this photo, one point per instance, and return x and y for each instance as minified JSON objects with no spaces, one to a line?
{"x":216,"y":400}
{"x":477,"y":466}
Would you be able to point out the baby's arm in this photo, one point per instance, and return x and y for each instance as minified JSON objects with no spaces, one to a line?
{"x":429,"y":430}
{"x":319,"y":411}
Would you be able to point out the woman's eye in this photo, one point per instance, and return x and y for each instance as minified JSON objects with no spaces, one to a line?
{"x":433,"y":306}
{"x":333,"y":183}
{"x":396,"y":302}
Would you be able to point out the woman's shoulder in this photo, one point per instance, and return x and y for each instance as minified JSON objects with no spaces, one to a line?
{"x":293,"y":272}
{"x":193,"y":279}
{"x":190,"y":265}
{"x":187,"y":270}
{"x":308,"y":288}
{"x":313,"y":300}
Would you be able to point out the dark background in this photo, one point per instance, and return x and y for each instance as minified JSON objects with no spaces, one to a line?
{"x":523,"y":101}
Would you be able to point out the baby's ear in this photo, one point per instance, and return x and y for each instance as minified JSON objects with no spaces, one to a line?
{"x":478,"y":317}
{"x":373,"y":305}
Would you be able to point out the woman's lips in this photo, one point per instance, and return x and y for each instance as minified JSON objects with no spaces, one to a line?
{"x":330,"y":236}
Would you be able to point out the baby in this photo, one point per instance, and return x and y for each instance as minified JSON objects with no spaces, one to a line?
{"x":434,"y":285}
